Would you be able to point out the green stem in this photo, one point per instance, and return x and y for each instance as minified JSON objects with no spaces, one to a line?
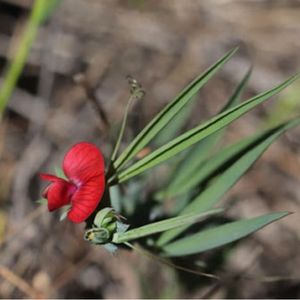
{"x":111,"y":170}
{"x":121,"y":133}
{"x":16,"y":66}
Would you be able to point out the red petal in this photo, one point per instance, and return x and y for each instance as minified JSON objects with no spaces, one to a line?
{"x":59,"y":194}
{"x":86,"y":199}
{"x":49,"y":177}
{"x":83,"y":162}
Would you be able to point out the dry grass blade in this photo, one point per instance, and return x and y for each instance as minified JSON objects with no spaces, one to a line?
{"x":20,"y":283}
{"x":148,"y":254}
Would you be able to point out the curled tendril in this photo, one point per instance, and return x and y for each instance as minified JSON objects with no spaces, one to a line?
{"x":136,"y":90}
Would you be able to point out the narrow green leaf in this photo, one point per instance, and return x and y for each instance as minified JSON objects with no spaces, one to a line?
{"x":41,"y":10}
{"x":220,"y":235}
{"x":63,"y":216}
{"x":236,"y":95}
{"x":214,"y":163}
{"x":238,"y":162}
{"x":200,"y":132}
{"x":42,"y":201}
{"x":116,"y":198}
{"x":161,"y":226}
{"x":191,"y":164}
{"x":65,"y":210}
{"x":16,"y":66}
{"x":59,"y":172}
{"x":47,"y":10}
{"x":169,"y":112}
{"x":202,"y":150}
{"x":172,"y":129}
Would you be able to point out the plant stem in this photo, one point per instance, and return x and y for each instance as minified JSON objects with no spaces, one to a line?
{"x":16,"y":66}
{"x":121,"y":133}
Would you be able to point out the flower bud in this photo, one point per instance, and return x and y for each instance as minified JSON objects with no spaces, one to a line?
{"x":105,"y":225}
{"x":97,"y":235}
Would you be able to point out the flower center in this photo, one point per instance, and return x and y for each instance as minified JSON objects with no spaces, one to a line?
{"x":72,"y":189}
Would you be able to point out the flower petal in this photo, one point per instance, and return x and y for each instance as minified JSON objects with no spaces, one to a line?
{"x":49,"y":177}
{"x":86,"y":199}
{"x":83,"y":162}
{"x":58,"y":194}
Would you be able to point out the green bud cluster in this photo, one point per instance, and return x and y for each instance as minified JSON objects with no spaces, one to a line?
{"x":105,"y":225}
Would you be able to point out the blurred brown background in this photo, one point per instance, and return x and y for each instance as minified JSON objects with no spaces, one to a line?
{"x":164,"y":44}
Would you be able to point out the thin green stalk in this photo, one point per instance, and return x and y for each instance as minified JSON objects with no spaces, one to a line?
{"x":136,"y":93}
{"x":121,"y":133}
{"x":17,"y":64}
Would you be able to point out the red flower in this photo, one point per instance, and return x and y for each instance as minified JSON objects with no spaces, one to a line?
{"x":83,"y":165}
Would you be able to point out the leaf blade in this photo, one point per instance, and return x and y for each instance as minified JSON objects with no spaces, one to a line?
{"x":163,"y":118}
{"x":220,"y":235}
{"x":161,"y":226}
{"x":211,"y":195}
{"x":200,"y":152}
{"x":200,"y":132}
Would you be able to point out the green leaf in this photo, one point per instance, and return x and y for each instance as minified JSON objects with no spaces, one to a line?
{"x":45,"y":10}
{"x":234,"y":161}
{"x":122,"y":227}
{"x":41,"y":10}
{"x":65,"y":211}
{"x":173,"y":127}
{"x":201,"y":151}
{"x":198,"y":133}
{"x":236,"y":95}
{"x":101,"y":215}
{"x":111,"y":248}
{"x":116,"y":198}
{"x":42,"y":201}
{"x":15,"y":67}
{"x":60,"y":173}
{"x":214,"y":163}
{"x":169,"y":112}
{"x":193,"y":162}
{"x":220,"y":235}
{"x":161,"y":226}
